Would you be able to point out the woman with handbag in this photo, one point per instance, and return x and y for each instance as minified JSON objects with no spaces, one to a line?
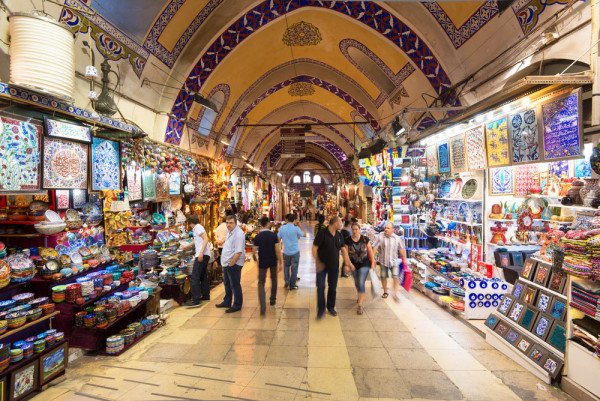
{"x":362,"y":257}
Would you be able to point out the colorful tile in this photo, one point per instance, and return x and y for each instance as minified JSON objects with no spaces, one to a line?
{"x":65,"y":164}
{"x":106,"y":168}
{"x":475,"y":148}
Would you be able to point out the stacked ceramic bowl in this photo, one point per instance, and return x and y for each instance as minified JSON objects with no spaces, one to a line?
{"x":115,"y":344}
{"x":39,"y":346}
{"x":4,"y":274}
{"x":147,"y":323}
{"x":4,"y":356}
{"x":154,"y":319}
{"x":24,"y":298}
{"x":21,"y":268}
{"x":16,"y":319}
{"x":87,"y":287}
{"x":73,"y":291}
{"x":34,"y":314}
{"x":3,"y":326}
{"x":16,"y":355}
{"x":27,"y":350}
{"x":47,"y":308}
{"x":89,"y":320}
{"x":38,"y":302}
{"x":59,"y":293}
{"x":52,"y":224}
{"x":128,"y":335}
{"x":37,"y":210}
{"x":73,"y":220}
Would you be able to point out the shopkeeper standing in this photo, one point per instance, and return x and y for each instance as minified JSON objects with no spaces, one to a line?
{"x":199,"y":273}
{"x":232,"y":260}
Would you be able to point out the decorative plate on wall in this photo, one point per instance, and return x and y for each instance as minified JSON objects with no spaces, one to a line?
{"x":444,"y":189}
{"x":469,"y":188}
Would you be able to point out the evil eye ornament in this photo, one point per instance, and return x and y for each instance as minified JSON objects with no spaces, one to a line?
{"x":483,"y":284}
{"x":495,"y":286}
{"x":487,"y":304}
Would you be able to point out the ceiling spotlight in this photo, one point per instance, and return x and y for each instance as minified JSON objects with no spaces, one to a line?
{"x":225,"y":141}
{"x":279,"y":174}
{"x":479,"y":118}
{"x":249,"y":165}
{"x":202,"y":101}
{"x":396,"y":126}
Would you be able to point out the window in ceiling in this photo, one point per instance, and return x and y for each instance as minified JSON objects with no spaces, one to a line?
{"x":209,"y":116}
{"x":316,"y":179}
{"x":306,"y":177}
{"x":365,"y":128}
{"x":368,"y":63}
{"x":297,"y":179}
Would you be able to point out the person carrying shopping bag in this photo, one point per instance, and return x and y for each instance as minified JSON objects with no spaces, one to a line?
{"x":391,"y":253}
{"x":362,"y":257}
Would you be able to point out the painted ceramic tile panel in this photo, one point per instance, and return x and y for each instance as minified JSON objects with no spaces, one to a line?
{"x":24,"y":381}
{"x":162,"y":186}
{"x":134,"y":183}
{"x":148,"y":185}
{"x":175,"y":184}
{"x":444,"y":156}
{"x":525,"y":137}
{"x":75,"y":132}
{"x":558,"y":170}
{"x":20,"y":149}
{"x":78,"y":199}
{"x":65,"y":164}
{"x":496,"y":135}
{"x":62,"y":199}
{"x":562,"y":137}
{"x":501,"y":181}
{"x":432,"y":162}
{"x":106,"y":170}
{"x":475,"y":148}
{"x":457,"y":153}
{"x":583,"y":168}
{"x":525,"y":176}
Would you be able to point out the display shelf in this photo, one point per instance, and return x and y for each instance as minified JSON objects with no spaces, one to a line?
{"x":130,"y":345}
{"x":585,"y":313}
{"x":515,"y":247}
{"x":507,"y":220}
{"x":507,"y":349}
{"x":19,"y":222}
{"x":582,"y":367}
{"x":556,"y":294}
{"x":169,"y":228}
{"x":577,"y":207}
{"x":462,"y":222}
{"x":9,"y":333}
{"x":554,"y":221}
{"x":33,"y":235}
{"x":42,"y":287}
{"x":25,"y":361}
{"x":460,"y":200}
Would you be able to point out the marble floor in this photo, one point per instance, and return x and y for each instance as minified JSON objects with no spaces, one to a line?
{"x":395,"y":351}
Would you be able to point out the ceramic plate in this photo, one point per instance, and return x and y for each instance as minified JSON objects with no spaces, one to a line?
{"x":52,"y":216}
{"x":91,"y":209}
{"x":76,"y":258}
{"x":72,"y":214}
{"x":52,"y":265}
{"x":595,"y":160}
{"x":65,"y":260}
{"x":469,"y":189}
{"x":84,"y":251}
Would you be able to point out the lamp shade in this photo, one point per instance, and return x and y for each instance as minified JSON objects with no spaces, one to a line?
{"x":42,"y":55}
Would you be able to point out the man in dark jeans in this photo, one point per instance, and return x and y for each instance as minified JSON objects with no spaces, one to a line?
{"x":326,"y":250}
{"x":199,"y":273}
{"x":232,"y":260}
{"x":269,"y":258}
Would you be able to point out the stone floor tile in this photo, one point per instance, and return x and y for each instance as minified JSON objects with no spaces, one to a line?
{"x":295,"y":313}
{"x":220,"y":336}
{"x":379,"y":383}
{"x":287,"y":355}
{"x":432,"y":385}
{"x":370,"y":358}
{"x":247,"y":355}
{"x":166,"y":352}
{"x":206,"y":354}
{"x":413,"y":359}
{"x":200,"y":322}
{"x":328,"y":357}
{"x":357,"y":325}
{"x":281,"y":375}
{"x":496,"y":361}
{"x":258,"y":337}
{"x":331,"y":339}
{"x":293,"y":324}
{"x":337,"y":382}
{"x":403,"y":339}
{"x":223,"y":324}
{"x":191,"y":336}
{"x":525,"y":386}
{"x":362,"y":339}
{"x":262,"y":323}
{"x":481,"y":385}
{"x":291,"y":337}
{"x":470,"y":341}
{"x":389,"y":325}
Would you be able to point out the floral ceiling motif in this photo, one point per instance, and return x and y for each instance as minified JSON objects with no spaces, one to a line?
{"x":302,"y":34}
{"x":301,"y":89}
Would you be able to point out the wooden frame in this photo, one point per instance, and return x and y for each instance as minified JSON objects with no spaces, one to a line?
{"x":537,"y":353}
{"x":545,"y":131}
{"x":505,"y":304}
{"x":529,"y":295}
{"x":536,"y":329}
{"x":557,"y":282}
{"x":81,"y":146}
{"x":552,"y":364}
{"x":58,"y":194}
{"x":515,"y":310}
{"x":557,"y":336}
{"x":542,"y":274}
{"x":516,"y":258}
{"x":502,"y":328}
{"x":558,"y":308}
{"x":512,"y":336}
{"x":529,"y":268}
{"x":518,"y":289}
{"x":492,"y":321}
{"x":20,"y":380}
{"x":544,"y":301}
{"x":528,"y":317}
{"x":47,"y":371}
{"x":524,"y":344}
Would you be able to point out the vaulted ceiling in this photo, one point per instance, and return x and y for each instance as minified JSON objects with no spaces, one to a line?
{"x":299,"y":61}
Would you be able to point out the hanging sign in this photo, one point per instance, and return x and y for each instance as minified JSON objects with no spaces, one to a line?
{"x":293,"y":143}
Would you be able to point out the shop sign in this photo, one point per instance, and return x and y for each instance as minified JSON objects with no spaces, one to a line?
{"x":293,"y":143}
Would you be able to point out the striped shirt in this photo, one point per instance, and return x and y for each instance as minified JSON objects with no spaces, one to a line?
{"x":388,"y":248}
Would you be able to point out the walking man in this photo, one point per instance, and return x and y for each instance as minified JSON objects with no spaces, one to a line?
{"x":290,"y":233}
{"x":269,"y":259}
{"x":391,"y":253}
{"x":326,"y":250}
{"x":232,"y":260}
{"x":200,"y":287}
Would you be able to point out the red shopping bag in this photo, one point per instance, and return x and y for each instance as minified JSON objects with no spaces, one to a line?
{"x":407,"y":277}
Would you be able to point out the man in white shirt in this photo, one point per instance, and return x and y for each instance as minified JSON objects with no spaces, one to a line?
{"x":200,"y":284}
{"x":391,"y":252}
{"x":232,"y":260}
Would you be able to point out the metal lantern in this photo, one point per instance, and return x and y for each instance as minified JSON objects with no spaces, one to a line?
{"x":42,"y":55}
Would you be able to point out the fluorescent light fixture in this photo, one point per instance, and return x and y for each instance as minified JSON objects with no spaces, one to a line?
{"x":202,"y":101}
{"x":479,"y":118}
{"x":225,"y":142}
{"x":526,"y":101}
{"x":279,"y":174}
{"x":249,"y":165}
{"x":506,"y":108}
{"x":244,"y":157}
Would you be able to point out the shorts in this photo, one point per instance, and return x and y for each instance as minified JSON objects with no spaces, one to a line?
{"x":385,"y":272}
